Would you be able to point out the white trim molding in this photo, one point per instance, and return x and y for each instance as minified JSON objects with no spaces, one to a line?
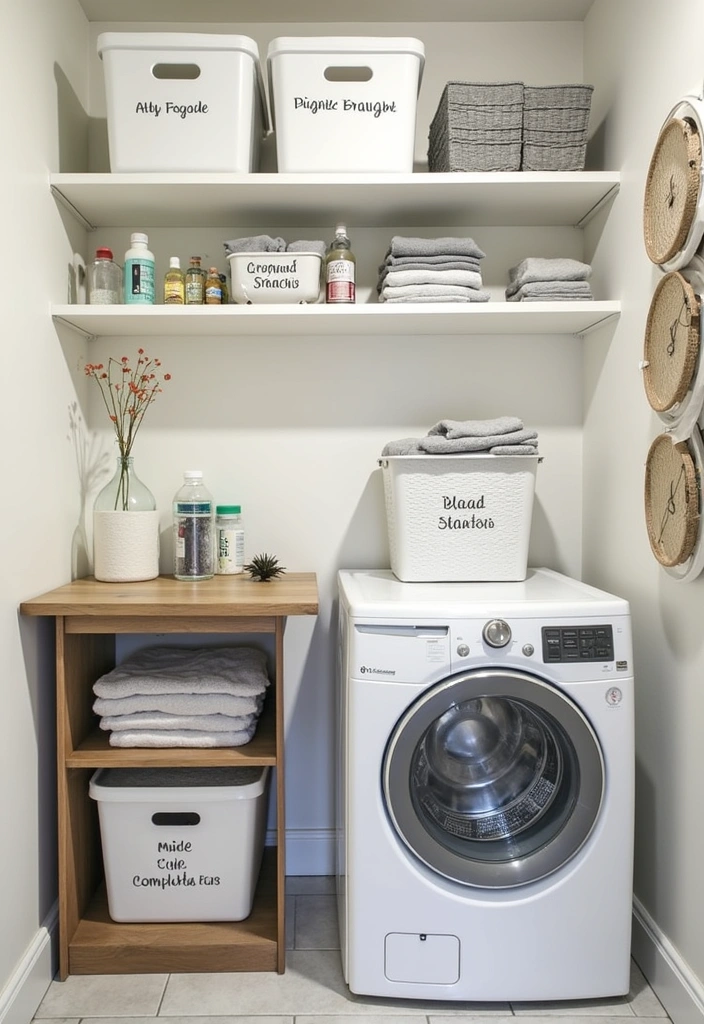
{"x":675,"y":984}
{"x":28,"y":983}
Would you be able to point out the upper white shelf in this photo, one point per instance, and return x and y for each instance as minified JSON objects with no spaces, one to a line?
{"x":322,"y":11}
{"x":335,"y":321}
{"x":520,"y":199}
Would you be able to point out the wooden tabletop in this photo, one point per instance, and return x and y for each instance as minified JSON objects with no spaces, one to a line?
{"x":222,"y":596}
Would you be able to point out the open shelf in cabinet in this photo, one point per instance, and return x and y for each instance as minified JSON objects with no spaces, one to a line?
{"x":513,"y":199}
{"x":89,"y":615}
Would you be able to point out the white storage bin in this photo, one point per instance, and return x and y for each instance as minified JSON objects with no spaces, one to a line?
{"x":344,"y":104}
{"x":179,"y":101}
{"x":460,"y":518}
{"x":181,"y":844}
{"x":267,"y":277}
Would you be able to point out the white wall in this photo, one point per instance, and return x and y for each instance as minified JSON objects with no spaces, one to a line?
{"x":43,"y":81}
{"x":292,"y":427}
{"x":644,"y":55}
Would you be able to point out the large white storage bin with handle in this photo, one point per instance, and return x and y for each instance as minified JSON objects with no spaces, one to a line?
{"x":344,"y":104}
{"x":460,"y":518}
{"x":181,"y":844}
{"x":179,"y":101}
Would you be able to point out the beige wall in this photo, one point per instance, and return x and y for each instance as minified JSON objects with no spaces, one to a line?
{"x":643,"y":55}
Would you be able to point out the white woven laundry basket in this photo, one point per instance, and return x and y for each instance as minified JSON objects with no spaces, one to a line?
{"x":460,"y":518}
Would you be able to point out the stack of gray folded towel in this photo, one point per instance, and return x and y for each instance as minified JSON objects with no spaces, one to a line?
{"x":183,"y":697}
{"x":265,"y":243}
{"x":432,"y":270}
{"x":538,"y":279}
{"x":504,"y":435}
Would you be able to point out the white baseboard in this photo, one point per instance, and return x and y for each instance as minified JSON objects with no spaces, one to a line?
{"x":28,"y":983}
{"x":675,"y":984}
{"x":309,"y":851}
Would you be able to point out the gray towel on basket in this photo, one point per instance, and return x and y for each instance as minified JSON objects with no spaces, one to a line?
{"x":404,"y":446}
{"x":238,"y":671}
{"x":436,"y":445}
{"x":255,"y":243}
{"x":303,"y":245}
{"x":403,"y":246}
{"x":514,"y":449}
{"x":476,"y":428}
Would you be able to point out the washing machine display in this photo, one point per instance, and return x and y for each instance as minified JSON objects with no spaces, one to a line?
{"x":486,"y":769}
{"x":493,"y":779}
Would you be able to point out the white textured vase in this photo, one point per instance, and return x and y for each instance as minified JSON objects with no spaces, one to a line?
{"x":125,"y":546}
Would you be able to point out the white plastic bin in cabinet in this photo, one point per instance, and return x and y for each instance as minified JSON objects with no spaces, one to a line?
{"x":179,"y":101}
{"x":344,"y":104}
{"x":181,"y":844}
{"x":459,"y":518}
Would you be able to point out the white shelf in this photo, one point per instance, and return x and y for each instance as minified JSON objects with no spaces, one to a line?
{"x":232,"y":320}
{"x":223,"y":11}
{"x":517,"y":199}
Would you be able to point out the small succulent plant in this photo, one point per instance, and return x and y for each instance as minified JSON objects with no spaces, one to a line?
{"x":264,"y":567}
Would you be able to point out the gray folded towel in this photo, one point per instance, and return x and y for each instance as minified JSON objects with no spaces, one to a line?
{"x":451,"y":292}
{"x":304,"y":245}
{"x":446,"y":446}
{"x":514,"y":449}
{"x":465,"y":278}
{"x":469,"y":264}
{"x":476,"y":428}
{"x":550,"y":290}
{"x":449,"y":262}
{"x":557,"y":297}
{"x":159,"y":720}
{"x":238,"y":671}
{"x":402,"y":246}
{"x":539,"y":268}
{"x":255,"y":243}
{"x":472,"y":295}
{"x":404,"y":446}
{"x":181,"y":738}
{"x":186,"y":704}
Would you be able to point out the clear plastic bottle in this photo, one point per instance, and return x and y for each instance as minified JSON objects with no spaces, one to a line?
{"x":229,"y":536}
{"x":174,"y":283}
{"x":104,"y":279}
{"x":194,"y":547}
{"x":139,"y":272}
{"x":213,"y":288}
{"x":195,"y":283}
{"x":340,"y":267}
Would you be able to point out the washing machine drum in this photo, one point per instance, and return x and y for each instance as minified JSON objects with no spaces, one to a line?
{"x":493,"y":779}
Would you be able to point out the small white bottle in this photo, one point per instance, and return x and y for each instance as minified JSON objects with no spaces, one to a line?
{"x":229,"y":539}
{"x":139,"y":272}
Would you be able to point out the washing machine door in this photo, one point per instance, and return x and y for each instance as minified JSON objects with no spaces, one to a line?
{"x":493,"y":778}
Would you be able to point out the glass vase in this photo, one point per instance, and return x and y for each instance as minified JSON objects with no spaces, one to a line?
{"x":125,"y":492}
{"x":125,"y":528}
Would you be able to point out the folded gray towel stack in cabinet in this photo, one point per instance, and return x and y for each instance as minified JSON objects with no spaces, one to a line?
{"x":555,"y":127}
{"x":538,"y":279}
{"x":183,"y":697}
{"x":505,"y":435}
{"x":431,"y":270}
{"x":478,"y":126}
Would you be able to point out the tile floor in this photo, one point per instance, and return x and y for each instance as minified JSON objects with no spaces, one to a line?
{"x":312,"y":991}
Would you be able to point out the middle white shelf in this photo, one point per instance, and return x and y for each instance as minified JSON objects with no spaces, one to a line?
{"x":316,"y":320}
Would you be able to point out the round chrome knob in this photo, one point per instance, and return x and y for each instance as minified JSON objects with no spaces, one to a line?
{"x":528,"y":650}
{"x":496,"y":633}
{"x":462,"y":650}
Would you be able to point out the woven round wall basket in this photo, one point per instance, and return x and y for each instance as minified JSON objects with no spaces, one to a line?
{"x":671,"y":347}
{"x":673,"y":213}
{"x":672,"y":497}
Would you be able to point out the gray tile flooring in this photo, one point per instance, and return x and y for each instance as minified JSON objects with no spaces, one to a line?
{"x":312,"y":990}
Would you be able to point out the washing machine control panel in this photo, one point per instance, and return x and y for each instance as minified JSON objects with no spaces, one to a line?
{"x":578,"y":643}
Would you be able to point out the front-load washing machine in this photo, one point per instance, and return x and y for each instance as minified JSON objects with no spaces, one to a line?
{"x":485,"y":788}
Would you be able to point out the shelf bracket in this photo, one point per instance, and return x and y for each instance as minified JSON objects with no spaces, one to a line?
{"x":598,"y":324}
{"x":74,"y":327}
{"x":61,"y":198}
{"x":606,"y":198}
